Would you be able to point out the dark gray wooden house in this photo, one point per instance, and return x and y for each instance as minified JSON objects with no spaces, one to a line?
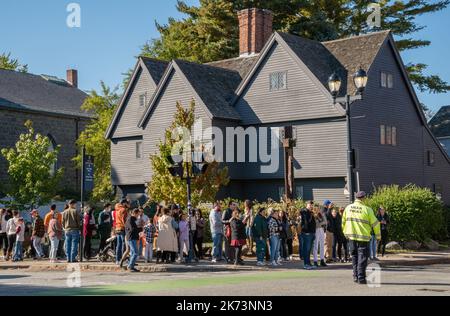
{"x":280,"y":80}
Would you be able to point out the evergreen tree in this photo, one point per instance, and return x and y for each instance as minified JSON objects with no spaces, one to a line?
{"x":9,"y":63}
{"x":210,"y":31}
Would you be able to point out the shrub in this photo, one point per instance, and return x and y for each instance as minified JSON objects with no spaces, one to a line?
{"x":415,"y":213}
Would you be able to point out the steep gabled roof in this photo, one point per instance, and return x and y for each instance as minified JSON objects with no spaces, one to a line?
{"x":156,"y":70}
{"x":212,"y":86}
{"x":242,"y":65}
{"x":28,"y":92}
{"x":319,"y":60}
{"x":155,"y":67}
{"x":215,"y":87}
{"x":440,"y":123}
{"x":357,"y":51}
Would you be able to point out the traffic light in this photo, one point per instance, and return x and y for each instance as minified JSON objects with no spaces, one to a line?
{"x":176,"y":166}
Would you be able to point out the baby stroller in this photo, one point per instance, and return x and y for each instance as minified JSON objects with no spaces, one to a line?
{"x":109,"y":252}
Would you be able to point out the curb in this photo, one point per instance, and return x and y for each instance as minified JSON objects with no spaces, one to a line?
{"x":144,"y":269}
{"x":411,"y":263}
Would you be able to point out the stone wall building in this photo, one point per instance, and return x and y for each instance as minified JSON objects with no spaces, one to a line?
{"x":54,"y":107}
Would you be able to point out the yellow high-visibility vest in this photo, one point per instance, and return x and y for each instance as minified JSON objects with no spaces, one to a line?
{"x":358,"y":221}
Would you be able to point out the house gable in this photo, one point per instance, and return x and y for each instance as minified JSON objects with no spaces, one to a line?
{"x":143,"y":82}
{"x":305,"y":97}
{"x":173,"y":89}
{"x":379,"y":164}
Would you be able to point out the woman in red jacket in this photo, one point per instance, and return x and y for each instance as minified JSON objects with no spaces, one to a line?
{"x":89,"y":230}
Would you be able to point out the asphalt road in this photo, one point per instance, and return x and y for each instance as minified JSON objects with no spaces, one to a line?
{"x":336,"y":280}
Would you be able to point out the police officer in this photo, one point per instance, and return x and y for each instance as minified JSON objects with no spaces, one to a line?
{"x":358,"y":221}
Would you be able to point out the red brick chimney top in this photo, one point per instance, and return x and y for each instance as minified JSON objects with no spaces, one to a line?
{"x":72,"y":77}
{"x":255,"y":28}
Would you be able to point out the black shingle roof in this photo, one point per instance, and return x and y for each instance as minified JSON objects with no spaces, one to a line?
{"x":355,"y":52}
{"x":155,"y":67}
{"x":440,"y":123}
{"x":214,"y":85}
{"x":319,"y":60}
{"x":30,"y":92}
{"x":242,"y":65}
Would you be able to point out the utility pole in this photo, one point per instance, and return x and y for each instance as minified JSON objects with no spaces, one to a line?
{"x":289,"y":143}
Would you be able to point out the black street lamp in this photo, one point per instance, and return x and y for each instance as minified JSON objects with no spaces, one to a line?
{"x":334,"y":83}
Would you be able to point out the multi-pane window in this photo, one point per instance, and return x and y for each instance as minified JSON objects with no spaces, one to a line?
{"x":388,"y":135}
{"x":387,"y":80}
{"x":138,"y":150}
{"x":142,"y":99}
{"x":278,"y":80}
{"x":431,"y":158}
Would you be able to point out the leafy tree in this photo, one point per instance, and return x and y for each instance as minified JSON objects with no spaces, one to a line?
{"x":210,"y":31}
{"x":102,"y":106}
{"x":33,"y":180}
{"x":8,"y":63}
{"x":165,"y":187}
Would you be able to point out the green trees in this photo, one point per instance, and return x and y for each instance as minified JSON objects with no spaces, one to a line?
{"x":32,"y":178}
{"x":415,"y":213}
{"x":8,"y":63}
{"x":165,"y":187}
{"x":210,"y":31}
{"x":102,"y":106}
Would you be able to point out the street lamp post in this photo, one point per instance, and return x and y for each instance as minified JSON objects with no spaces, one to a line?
{"x":360,"y":80}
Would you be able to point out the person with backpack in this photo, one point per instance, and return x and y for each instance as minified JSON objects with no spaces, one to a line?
{"x":260,"y":233}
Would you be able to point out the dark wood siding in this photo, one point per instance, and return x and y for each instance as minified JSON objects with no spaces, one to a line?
{"x":126,"y":169}
{"x":383,"y":164}
{"x":302,"y":99}
{"x":176,"y":90}
{"x":132,"y":111}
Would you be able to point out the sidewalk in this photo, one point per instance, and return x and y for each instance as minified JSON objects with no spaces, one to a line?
{"x":399,"y":259}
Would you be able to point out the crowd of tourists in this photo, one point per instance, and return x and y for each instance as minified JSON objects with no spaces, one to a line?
{"x":172,"y":235}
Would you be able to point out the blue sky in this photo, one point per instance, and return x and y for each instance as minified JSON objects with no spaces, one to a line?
{"x":112,"y":32}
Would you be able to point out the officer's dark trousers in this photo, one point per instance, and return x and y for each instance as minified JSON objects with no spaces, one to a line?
{"x":360,"y":254}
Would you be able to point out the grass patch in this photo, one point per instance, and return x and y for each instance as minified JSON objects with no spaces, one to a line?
{"x":171,"y":284}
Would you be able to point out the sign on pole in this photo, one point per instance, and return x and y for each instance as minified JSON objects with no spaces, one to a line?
{"x":89,"y":173}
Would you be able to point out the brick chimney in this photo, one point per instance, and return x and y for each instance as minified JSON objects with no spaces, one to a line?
{"x":255,"y":28}
{"x":72,"y":77}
